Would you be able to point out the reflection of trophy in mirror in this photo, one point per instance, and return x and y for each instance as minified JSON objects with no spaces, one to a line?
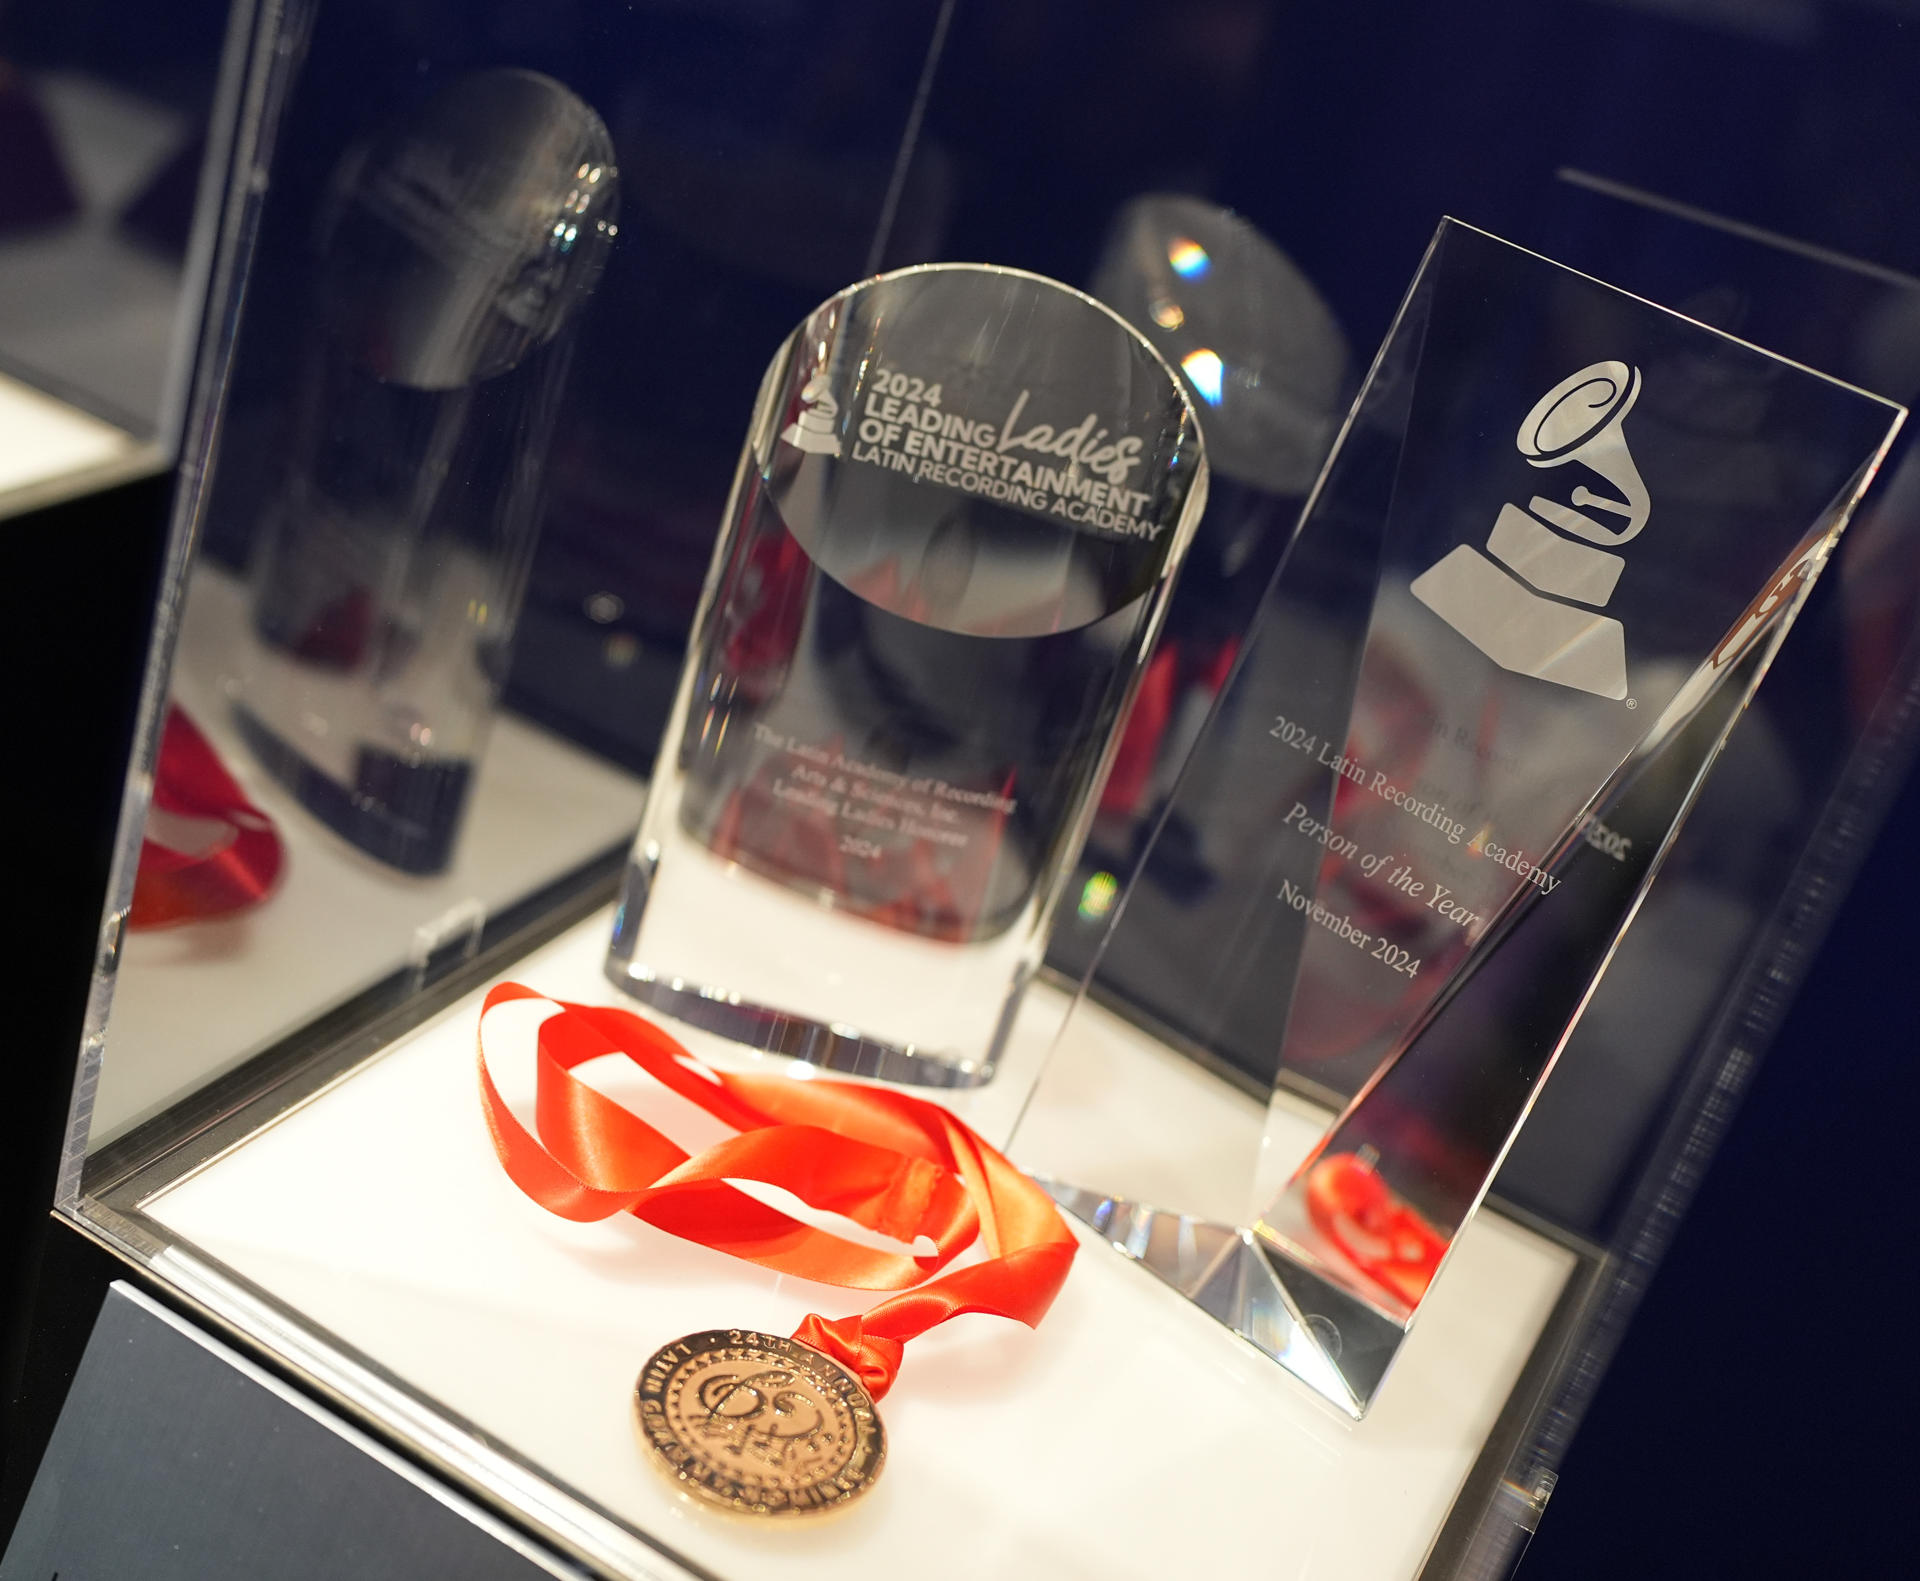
{"x":1532,"y":620}
{"x":457,"y":252}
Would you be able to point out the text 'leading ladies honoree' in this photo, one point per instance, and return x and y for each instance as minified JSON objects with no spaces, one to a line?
{"x":951,"y":540}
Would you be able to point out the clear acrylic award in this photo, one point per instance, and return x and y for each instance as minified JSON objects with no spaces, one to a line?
{"x":955,"y":525}
{"x":1553,"y":553}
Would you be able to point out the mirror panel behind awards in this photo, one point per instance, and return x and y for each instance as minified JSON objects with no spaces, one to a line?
{"x":327,"y":813}
{"x":466,"y":420}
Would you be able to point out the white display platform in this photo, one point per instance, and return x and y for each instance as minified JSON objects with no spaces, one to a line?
{"x":1130,"y":1436}
{"x":194,"y":1001}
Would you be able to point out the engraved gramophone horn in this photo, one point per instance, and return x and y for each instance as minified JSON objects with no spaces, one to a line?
{"x":1580,"y":419}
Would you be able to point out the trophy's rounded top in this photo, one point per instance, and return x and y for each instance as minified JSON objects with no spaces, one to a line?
{"x":468,"y":233}
{"x":930,"y":422}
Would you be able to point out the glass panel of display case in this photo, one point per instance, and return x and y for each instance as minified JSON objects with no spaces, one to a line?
{"x":452,"y":530}
{"x":1697,"y":992}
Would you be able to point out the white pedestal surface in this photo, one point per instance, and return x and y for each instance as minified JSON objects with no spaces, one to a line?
{"x":1129,"y":1436}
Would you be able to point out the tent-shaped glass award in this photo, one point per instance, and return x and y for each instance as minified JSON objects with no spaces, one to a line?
{"x":1550,"y":558}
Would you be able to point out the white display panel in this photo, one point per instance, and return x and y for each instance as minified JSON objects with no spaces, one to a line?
{"x":1129,"y":1436}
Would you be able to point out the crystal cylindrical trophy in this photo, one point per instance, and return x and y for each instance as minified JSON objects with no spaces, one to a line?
{"x":951,"y":539}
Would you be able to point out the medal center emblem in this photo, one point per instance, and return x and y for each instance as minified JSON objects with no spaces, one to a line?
{"x":758,"y":1424}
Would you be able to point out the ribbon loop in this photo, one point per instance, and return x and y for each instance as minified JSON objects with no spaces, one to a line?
{"x":874,"y":1360}
{"x":893,"y":1164}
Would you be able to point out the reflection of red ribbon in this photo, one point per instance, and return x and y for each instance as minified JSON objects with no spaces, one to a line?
{"x":1380,"y":1234}
{"x":173,"y":886}
{"x":892,"y":1164}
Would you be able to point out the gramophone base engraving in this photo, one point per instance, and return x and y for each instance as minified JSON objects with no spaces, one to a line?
{"x":1522,"y":631}
{"x":1554,"y":565}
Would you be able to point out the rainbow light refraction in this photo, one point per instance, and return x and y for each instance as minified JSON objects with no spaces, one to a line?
{"x":1189,"y":259}
{"x":1097,"y":897}
{"x":1206,"y":371}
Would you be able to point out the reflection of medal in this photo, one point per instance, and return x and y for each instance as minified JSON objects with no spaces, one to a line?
{"x":759,"y":1424}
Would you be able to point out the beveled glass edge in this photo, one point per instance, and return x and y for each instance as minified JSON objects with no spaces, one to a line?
{"x":1193,"y":504}
{"x":1763,"y":645}
{"x":1530,"y":1472}
{"x":1661,"y":308}
{"x":1741,"y":1031}
{"x":259,"y":60}
{"x":1740,"y":684}
{"x":1009,"y":272}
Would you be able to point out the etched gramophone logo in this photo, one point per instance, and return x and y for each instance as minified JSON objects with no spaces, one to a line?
{"x":1537,"y":610}
{"x":813,"y":430}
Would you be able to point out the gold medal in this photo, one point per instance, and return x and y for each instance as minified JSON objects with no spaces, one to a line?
{"x":759,"y":1424}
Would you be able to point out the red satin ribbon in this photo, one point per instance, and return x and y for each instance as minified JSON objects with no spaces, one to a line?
{"x":891,"y":1163}
{"x":171,"y":886}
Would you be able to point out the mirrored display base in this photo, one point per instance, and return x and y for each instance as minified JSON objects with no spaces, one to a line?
{"x":1131,"y":1435}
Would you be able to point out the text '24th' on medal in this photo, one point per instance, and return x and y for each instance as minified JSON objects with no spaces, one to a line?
{"x":759,"y":1424}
